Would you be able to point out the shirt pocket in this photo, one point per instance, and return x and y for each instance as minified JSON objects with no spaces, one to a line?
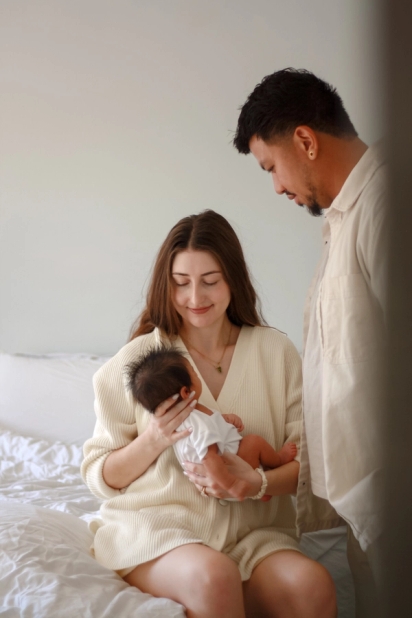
{"x":350,"y":320}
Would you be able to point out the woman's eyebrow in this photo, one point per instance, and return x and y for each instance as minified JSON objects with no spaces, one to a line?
{"x":211,"y":272}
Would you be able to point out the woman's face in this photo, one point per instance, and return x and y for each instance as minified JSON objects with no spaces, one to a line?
{"x":200,"y":293}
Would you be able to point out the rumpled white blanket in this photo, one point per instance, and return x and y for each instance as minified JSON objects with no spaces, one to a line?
{"x":46,"y":569}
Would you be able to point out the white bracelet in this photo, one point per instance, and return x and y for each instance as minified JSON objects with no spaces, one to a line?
{"x":264,"y":485}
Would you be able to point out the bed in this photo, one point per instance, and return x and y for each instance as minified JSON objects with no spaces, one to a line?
{"x":46,"y":569}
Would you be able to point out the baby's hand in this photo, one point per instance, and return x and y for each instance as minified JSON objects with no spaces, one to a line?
{"x":235,"y":420}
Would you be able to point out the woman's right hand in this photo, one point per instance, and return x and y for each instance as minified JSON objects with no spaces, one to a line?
{"x":125,"y":465}
{"x":166,"y":419}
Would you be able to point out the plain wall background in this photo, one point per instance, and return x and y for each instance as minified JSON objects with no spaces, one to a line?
{"x":116,"y":120}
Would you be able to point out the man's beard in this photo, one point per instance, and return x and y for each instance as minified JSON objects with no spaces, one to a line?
{"x":312,"y":202}
{"x":313,"y":208}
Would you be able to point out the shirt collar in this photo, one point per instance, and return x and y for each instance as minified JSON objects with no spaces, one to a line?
{"x":359,"y":177}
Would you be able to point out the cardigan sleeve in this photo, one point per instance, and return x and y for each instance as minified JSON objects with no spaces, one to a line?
{"x":293,"y":395}
{"x":116,"y":420}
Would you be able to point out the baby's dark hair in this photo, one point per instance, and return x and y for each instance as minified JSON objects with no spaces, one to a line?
{"x":156,"y":375}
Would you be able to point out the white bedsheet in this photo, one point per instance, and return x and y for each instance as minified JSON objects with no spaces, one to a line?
{"x":46,"y":570}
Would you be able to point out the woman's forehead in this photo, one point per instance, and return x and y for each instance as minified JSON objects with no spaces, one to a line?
{"x":192,"y":261}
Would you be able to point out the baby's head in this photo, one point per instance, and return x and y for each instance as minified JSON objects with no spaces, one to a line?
{"x":160,"y":373}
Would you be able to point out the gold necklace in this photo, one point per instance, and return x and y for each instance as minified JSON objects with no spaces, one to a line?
{"x":217,"y":365}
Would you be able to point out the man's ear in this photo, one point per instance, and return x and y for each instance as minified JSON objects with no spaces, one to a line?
{"x":184,"y":392}
{"x":306,"y":141}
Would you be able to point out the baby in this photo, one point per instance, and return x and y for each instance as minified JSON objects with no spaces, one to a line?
{"x":163,"y":372}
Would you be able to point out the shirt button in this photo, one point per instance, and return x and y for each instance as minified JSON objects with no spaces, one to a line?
{"x":223,"y":502}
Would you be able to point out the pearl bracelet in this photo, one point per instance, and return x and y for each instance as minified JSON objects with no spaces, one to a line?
{"x":264,"y":485}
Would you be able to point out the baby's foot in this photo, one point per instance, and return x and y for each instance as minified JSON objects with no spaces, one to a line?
{"x":288,"y":452}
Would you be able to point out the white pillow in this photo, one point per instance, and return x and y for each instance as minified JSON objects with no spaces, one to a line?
{"x":48,"y":396}
{"x":46,"y":570}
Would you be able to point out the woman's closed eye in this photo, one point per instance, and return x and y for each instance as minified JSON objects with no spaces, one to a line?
{"x":181,"y":284}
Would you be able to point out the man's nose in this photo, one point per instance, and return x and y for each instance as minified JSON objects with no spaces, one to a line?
{"x":279,"y":188}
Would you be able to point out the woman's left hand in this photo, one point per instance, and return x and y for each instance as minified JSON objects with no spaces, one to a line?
{"x":198,"y":475}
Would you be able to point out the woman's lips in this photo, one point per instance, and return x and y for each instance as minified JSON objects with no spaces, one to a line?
{"x":199,"y":310}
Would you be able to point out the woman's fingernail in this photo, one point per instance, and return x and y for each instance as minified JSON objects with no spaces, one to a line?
{"x":190,"y":429}
{"x":185,"y":473}
{"x":193,"y":403}
{"x":192,"y":394}
{"x":175,"y":396}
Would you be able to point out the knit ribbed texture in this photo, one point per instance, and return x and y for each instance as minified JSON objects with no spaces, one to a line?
{"x":162,"y":510}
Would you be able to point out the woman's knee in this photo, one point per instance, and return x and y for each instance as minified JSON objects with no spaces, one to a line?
{"x":293,"y":585}
{"x":205,"y":581}
{"x":319,"y":588}
{"x":217,"y":576}
{"x":215,"y":588}
{"x":312,"y":590}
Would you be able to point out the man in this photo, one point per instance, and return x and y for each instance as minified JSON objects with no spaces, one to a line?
{"x":296,"y":127}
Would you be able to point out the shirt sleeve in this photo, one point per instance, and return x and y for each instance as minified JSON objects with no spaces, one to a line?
{"x":293,"y":396}
{"x":373,"y":239}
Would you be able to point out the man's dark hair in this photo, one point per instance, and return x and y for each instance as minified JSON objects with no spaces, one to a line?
{"x":287,"y":99}
{"x":156,"y":375}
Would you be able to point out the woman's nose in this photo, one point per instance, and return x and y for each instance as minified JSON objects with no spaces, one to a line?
{"x":196,"y":296}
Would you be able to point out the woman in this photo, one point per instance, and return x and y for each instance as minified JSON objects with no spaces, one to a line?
{"x":163,"y":534}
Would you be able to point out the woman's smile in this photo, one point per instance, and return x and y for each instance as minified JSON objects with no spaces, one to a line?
{"x":199,"y":310}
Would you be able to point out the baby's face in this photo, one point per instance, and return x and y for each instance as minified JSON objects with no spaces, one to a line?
{"x":196,"y":383}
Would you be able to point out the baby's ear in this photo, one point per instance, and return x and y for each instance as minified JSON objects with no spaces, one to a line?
{"x":184,"y":392}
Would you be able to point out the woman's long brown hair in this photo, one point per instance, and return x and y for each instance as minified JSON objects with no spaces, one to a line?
{"x":207,"y":231}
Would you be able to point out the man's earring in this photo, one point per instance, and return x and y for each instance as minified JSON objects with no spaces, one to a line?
{"x":311,"y":153}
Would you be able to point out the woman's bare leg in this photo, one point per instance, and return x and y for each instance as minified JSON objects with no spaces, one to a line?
{"x":205,"y":581}
{"x":289,"y":585}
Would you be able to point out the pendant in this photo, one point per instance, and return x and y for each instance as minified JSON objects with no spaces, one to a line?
{"x":219,"y":369}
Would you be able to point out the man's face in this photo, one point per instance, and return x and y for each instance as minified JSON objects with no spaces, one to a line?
{"x":290,"y":171}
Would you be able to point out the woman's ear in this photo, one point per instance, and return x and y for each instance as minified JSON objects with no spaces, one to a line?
{"x":184,"y":392}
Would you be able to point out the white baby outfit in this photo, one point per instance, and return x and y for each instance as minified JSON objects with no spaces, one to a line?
{"x":206,"y":430}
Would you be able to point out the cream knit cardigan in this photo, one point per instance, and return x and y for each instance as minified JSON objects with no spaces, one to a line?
{"x":162,"y":509}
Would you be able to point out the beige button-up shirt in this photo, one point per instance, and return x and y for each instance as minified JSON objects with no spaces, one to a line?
{"x":350,"y":307}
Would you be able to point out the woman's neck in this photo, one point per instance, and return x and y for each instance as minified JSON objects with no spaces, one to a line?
{"x":210,"y":338}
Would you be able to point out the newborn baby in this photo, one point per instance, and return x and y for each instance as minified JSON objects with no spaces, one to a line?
{"x":163,"y":372}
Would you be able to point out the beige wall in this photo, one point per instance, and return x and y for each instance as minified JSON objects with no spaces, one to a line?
{"x":116,"y":121}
